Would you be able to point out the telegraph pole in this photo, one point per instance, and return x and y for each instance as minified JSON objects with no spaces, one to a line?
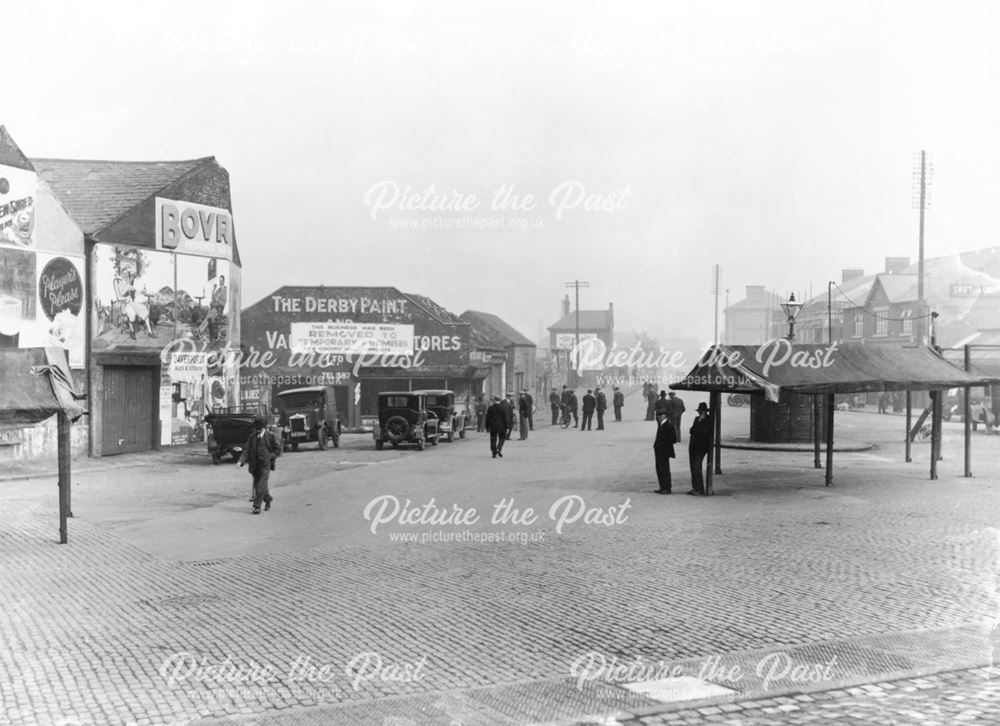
{"x":716,"y":272}
{"x":921,"y":201}
{"x":576,"y":284}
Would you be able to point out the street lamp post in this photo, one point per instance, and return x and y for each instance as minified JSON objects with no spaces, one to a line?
{"x":791,"y":309}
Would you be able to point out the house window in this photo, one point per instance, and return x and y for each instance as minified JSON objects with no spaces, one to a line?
{"x":859,"y":325}
{"x":881,"y":322}
{"x":908,"y":322}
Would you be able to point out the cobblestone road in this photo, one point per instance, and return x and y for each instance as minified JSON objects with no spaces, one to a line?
{"x":172,"y":604}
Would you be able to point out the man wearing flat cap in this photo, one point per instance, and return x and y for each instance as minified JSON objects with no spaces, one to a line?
{"x":259,"y":453}
{"x":499,"y":420}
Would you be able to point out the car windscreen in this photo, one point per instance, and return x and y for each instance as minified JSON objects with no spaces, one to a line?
{"x":299,"y":400}
{"x":437,"y":401}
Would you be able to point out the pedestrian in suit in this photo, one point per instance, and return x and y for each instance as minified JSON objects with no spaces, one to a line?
{"x":650,"y":401}
{"x":554,"y":403}
{"x":573,"y":407}
{"x":508,"y":403}
{"x":481,"y":412}
{"x":531,"y":409}
{"x":700,"y":443}
{"x":675,"y":409}
{"x":524,"y":410}
{"x":660,"y":408}
{"x":259,"y":453}
{"x":589,"y":404}
{"x":618,"y":400}
{"x":663,"y":452}
{"x":498,"y":423}
{"x":602,"y":406}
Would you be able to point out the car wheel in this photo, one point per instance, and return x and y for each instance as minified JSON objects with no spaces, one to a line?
{"x":321,"y":437}
{"x":420,"y":444}
{"x":379,"y":444}
{"x":398,"y":428}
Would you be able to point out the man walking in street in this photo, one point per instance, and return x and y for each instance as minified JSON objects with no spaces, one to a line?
{"x":259,"y":453}
{"x":602,"y":406}
{"x":675,"y":409}
{"x":498,"y":423}
{"x":555,"y":403}
{"x":589,"y":404}
{"x":618,"y":400}
{"x":700,"y":443}
{"x":572,"y":405}
{"x":663,"y":452}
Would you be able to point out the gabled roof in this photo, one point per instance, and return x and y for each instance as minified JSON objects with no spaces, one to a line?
{"x":898,"y":287}
{"x":96,"y":193}
{"x":11,"y":154}
{"x":437,"y":311}
{"x":495,"y":328}
{"x":589,"y":320}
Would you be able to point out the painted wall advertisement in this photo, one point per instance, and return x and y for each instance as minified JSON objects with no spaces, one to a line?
{"x":179,"y":306}
{"x":42,"y":295}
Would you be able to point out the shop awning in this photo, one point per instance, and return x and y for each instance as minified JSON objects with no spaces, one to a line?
{"x":816,"y":368}
{"x":456,"y":372}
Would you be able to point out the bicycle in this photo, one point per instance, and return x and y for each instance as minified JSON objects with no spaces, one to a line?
{"x":564,"y":421}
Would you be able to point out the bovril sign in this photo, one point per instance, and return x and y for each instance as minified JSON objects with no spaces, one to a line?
{"x":193,"y":229}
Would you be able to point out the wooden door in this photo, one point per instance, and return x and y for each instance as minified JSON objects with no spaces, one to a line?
{"x":128,"y":409}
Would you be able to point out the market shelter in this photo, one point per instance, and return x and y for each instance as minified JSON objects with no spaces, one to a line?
{"x":824,"y":370}
{"x":36,"y":383}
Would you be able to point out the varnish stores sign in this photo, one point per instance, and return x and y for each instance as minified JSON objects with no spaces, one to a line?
{"x":346,"y":338}
{"x":193,"y":229}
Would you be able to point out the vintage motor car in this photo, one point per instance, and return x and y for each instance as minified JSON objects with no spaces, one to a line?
{"x":405,"y":418}
{"x":308,"y":414}
{"x":229,"y":429}
{"x":451,"y":418}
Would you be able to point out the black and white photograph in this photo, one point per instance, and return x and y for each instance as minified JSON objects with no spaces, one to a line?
{"x":304,"y":307}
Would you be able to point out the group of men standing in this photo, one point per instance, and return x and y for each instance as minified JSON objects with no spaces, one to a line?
{"x":594,"y":401}
{"x":701,"y":437}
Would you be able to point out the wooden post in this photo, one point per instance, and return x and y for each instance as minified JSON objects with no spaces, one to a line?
{"x":967,"y":414}
{"x":817,"y":438}
{"x":716,"y":399}
{"x":829,"y":438}
{"x":909,"y":423}
{"x":935,"y":432}
{"x":63,"y":439}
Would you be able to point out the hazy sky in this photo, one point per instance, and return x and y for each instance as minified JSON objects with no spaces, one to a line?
{"x":773,"y":138}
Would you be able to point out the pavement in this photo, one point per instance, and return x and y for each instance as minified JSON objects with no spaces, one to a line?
{"x":172,"y":604}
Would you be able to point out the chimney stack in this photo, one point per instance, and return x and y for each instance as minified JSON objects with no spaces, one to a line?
{"x":565,"y":306}
{"x":896,"y":264}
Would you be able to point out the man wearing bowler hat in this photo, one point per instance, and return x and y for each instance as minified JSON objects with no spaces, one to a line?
{"x":259,"y":453}
{"x":702,"y":433}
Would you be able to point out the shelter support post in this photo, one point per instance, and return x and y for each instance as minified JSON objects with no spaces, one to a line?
{"x":909,"y":423}
{"x":817,"y":437}
{"x":829,"y":438}
{"x":716,"y":399}
{"x":967,"y":414}
{"x":935,"y":433}
{"x":63,"y":443}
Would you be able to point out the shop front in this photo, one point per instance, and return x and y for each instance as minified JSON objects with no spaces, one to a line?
{"x":360,"y":340}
